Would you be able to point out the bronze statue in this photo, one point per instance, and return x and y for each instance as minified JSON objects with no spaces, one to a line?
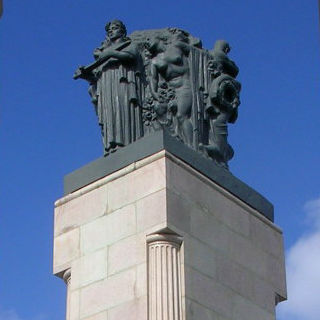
{"x":163,"y":80}
{"x":224,"y":101}
{"x":170,"y":61}
{"x":115,"y":87}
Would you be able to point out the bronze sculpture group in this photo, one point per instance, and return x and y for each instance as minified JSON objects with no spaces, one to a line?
{"x":163,"y":80}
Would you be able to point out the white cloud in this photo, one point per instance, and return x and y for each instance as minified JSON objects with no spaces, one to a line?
{"x":303,"y":271}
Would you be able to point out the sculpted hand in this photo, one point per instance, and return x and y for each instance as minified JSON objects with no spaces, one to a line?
{"x":79,"y":72}
{"x":107,"y":54}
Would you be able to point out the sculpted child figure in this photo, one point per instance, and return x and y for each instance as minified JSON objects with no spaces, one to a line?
{"x":224,"y":101}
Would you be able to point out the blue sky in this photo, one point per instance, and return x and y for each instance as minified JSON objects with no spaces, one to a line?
{"x":48,"y":126}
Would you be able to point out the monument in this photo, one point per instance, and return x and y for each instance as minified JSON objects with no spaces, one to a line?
{"x":163,"y":80}
{"x":158,"y":228}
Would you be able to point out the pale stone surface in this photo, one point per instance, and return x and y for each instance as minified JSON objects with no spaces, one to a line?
{"x":180,"y":211}
{"x":80,"y":210}
{"x":126,"y":253}
{"x":234,"y":276}
{"x":208,"y":292}
{"x":99,"y":316}
{"x":276,"y":276}
{"x":74,"y":305}
{"x":66,"y":249}
{"x":263,"y":294}
{"x":151,"y":210}
{"x":231,"y":259}
{"x":138,"y":184}
{"x":208,"y":229}
{"x":149,"y":179}
{"x":108,"y":293}
{"x":141,"y":287}
{"x":200,"y":256}
{"x":89,"y":268}
{"x":133,"y":310}
{"x":196,"y":311}
{"x":184,"y":183}
{"x":231,"y":214}
{"x":199,"y":190}
{"x":245,"y":310}
{"x":264,"y":237}
{"x":248,"y":255}
{"x":101,"y":232}
{"x":245,"y":282}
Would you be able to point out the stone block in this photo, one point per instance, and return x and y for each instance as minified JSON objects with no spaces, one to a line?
{"x":244,"y":252}
{"x":217,"y":235}
{"x":66,"y":249}
{"x":179,"y":210}
{"x":141,"y":287}
{"x":149,"y":179}
{"x":263,"y":294}
{"x":108,"y":293}
{"x":244,"y":309}
{"x":80,"y":210}
{"x":211,"y":231}
{"x":108,"y":229}
{"x":245,"y":282}
{"x":126,"y":253}
{"x":133,"y":310}
{"x":74,"y":305}
{"x":89,"y":268}
{"x":200,"y":256}
{"x":209,"y":196}
{"x":136,"y":185}
{"x":208,"y":292}
{"x":230,"y":213}
{"x":266,"y":237}
{"x":276,"y":275}
{"x":196,"y":311}
{"x":151,"y":210}
{"x":233,"y":275}
{"x":184,"y":182}
{"x":99,"y":316}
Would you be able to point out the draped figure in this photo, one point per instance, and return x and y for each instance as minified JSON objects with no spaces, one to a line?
{"x":116,"y":89}
{"x":164,"y":80}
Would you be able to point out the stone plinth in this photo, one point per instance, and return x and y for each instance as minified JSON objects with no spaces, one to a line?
{"x":159,"y":240}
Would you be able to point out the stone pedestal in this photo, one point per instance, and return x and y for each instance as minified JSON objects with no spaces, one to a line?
{"x":159,"y":240}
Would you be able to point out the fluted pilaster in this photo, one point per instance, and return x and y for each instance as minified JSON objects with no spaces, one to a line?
{"x":67,"y":280}
{"x":164,"y":277}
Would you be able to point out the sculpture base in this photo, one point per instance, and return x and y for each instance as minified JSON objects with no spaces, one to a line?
{"x":159,"y":239}
{"x":153,"y":143}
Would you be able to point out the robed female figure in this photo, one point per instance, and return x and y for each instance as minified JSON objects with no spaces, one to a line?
{"x":116,"y":88}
